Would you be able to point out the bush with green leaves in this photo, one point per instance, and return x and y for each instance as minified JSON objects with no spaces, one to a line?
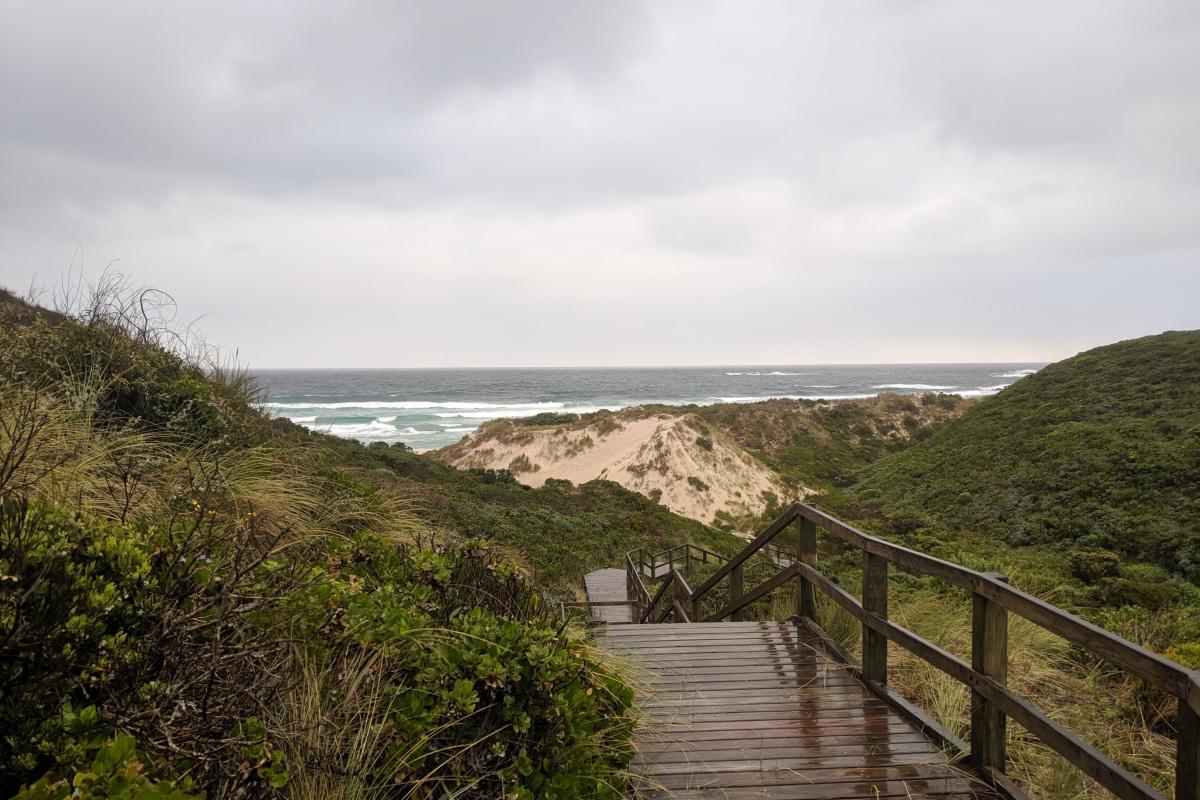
{"x":115,"y":773}
{"x":194,"y":598}
{"x":1100,"y":451}
{"x":478,"y":686}
{"x":481,"y":689}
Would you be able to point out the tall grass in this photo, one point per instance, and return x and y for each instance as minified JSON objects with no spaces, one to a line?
{"x":51,"y":449}
{"x":1098,"y":704}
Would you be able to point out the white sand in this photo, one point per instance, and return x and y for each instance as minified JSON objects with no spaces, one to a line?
{"x":655,"y":453}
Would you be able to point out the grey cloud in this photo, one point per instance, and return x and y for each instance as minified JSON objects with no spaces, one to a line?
{"x":630,"y":155}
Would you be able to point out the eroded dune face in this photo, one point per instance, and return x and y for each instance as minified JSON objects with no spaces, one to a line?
{"x":679,"y":460}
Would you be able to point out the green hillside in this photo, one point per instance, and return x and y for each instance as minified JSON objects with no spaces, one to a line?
{"x":1099,"y":451}
{"x":198,"y":600}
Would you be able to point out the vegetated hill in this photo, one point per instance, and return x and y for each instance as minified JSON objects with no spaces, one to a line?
{"x":673,"y":457}
{"x":195,"y":598}
{"x":559,"y":531}
{"x":733,"y":463}
{"x":824,"y":442}
{"x":1101,"y":450}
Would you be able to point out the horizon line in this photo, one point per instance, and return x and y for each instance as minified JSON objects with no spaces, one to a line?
{"x":676,"y":366}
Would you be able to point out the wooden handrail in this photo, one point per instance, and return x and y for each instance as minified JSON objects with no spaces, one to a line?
{"x":674,"y":579}
{"x":1158,"y":670}
{"x":993,"y":598}
{"x":662,"y":590}
{"x":749,"y":550}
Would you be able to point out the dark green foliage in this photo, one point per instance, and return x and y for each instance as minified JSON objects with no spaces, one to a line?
{"x":563,"y":531}
{"x":71,"y":625}
{"x":697,"y":484}
{"x":825,"y":444}
{"x":460,"y":638}
{"x":1092,"y":565}
{"x":547,"y":418}
{"x":182,"y":638}
{"x":115,"y":772}
{"x":469,"y":641}
{"x":704,"y":443}
{"x":1125,"y":592}
{"x":134,"y":384}
{"x":1100,"y":451}
{"x":119,"y":616}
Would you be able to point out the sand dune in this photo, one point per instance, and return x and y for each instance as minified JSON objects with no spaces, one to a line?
{"x":679,"y":460}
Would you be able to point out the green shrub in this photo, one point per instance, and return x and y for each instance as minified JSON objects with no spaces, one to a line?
{"x":115,"y":773}
{"x":697,"y":484}
{"x":1125,"y":592}
{"x":73,"y":611}
{"x":547,"y":418}
{"x":1091,"y":453}
{"x":704,"y":443}
{"x":1092,"y":565}
{"x":522,"y":464}
{"x":488,"y":691}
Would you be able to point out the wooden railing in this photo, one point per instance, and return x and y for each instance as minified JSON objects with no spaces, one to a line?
{"x":672,"y":602}
{"x":992,"y":701}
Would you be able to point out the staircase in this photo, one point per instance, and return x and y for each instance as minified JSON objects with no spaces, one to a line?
{"x":737,"y":706}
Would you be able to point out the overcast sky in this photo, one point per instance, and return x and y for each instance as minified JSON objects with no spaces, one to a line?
{"x":615,"y":183}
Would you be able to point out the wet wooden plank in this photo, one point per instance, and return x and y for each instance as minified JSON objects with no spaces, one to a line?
{"x":607,"y":585}
{"x":745,"y":710}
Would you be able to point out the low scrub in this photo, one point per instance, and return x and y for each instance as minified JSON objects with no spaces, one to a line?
{"x":196,"y":600}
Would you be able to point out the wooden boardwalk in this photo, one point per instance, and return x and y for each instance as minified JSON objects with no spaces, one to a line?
{"x":604,"y":586}
{"x":742,"y":710}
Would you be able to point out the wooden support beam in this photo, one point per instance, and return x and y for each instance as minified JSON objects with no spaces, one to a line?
{"x":808,"y":555}
{"x":989,"y":656}
{"x":735,"y":591}
{"x":1187,"y":754}
{"x":874,"y":601}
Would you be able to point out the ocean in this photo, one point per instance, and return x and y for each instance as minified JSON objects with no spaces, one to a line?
{"x":431,"y":408}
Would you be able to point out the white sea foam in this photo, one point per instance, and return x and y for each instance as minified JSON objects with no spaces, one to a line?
{"x":303,"y":420}
{"x":385,"y":419}
{"x":795,"y":397}
{"x":983,"y":391}
{"x":1016,"y":373}
{"x":406,"y":405}
{"x":373,"y":430}
{"x":761,"y":374}
{"x":513,"y":411}
{"x":460,"y":430}
{"x":925,"y":387}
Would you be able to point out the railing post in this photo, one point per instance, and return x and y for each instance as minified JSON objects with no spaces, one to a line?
{"x":1187,"y":753}
{"x":874,"y":601}
{"x":808,"y":555}
{"x":735,"y":590}
{"x":989,"y":656}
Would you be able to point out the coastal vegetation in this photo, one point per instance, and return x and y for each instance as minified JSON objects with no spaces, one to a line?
{"x":1096,"y":454}
{"x":823,"y":444}
{"x":197,"y":600}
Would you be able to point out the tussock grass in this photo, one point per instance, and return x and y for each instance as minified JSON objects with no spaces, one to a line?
{"x":55,"y":452}
{"x":1097,"y":703}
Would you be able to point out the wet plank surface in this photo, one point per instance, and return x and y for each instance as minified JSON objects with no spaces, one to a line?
{"x":607,"y":585}
{"x":758,"y":711}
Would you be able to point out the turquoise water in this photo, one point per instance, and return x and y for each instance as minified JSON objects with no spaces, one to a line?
{"x":431,"y":408}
